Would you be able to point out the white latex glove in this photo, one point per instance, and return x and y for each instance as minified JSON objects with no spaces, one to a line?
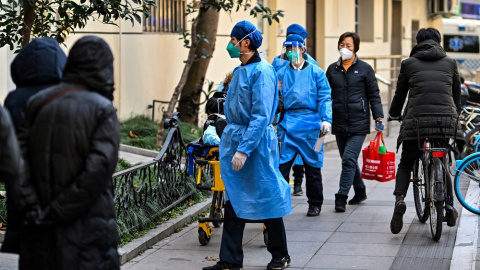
{"x":326,"y":127}
{"x":238,"y":160}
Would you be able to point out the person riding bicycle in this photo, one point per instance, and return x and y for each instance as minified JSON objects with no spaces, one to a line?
{"x":432,"y":83}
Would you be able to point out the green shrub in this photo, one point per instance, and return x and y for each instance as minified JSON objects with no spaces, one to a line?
{"x":146,"y":130}
{"x":140,"y":126}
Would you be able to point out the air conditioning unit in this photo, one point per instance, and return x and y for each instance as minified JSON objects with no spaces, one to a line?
{"x":442,"y":7}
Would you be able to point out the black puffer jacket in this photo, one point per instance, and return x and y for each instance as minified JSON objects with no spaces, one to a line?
{"x":72,"y":146}
{"x":431,"y":81}
{"x":39,"y":65}
{"x":354,"y":92}
{"x":10,"y":156}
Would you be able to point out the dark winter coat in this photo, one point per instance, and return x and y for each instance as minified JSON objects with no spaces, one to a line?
{"x":38,"y":66}
{"x":431,"y":81}
{"x":10,"y":156}
{"x":72,"y":146}
{"x":354,"y":93}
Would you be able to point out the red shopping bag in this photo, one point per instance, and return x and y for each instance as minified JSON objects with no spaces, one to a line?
{"x":378,"y":165}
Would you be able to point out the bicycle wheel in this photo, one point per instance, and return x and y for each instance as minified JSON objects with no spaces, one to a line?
{"x":466,"y":183}
{"x":420,"y":192}
{"x":471,"y":144}
{"x":436,"y":207}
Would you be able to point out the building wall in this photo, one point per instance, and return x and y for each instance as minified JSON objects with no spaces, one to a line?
{"x":148,"y":66}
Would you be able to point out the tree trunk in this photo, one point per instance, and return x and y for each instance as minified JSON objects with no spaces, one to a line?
{"x":191,"y":91}
{"x":28,"y":19}
{"x":194,"y":71}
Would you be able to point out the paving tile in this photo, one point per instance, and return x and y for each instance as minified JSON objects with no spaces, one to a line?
{"x":368,"y":227}
{"x":367,"y":238}
{"x":349,"y":262}
{"x":354,"y":249}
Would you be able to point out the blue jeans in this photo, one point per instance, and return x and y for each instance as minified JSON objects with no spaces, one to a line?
{"x":349,"y":148}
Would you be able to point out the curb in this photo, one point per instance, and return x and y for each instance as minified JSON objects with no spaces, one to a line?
{"x":136,"y":246}
{"x":138,"y":151}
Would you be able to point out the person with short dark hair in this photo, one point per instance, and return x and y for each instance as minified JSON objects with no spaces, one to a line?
{"x":431,"y":81}
{"x":354,"y":94}
{"x":254,"y":187}
{"x":69,"y":135}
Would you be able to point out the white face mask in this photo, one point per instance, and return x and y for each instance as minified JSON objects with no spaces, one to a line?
{"x":346,"y":53}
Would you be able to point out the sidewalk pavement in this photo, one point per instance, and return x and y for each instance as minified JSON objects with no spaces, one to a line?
{"x":360,"y":238}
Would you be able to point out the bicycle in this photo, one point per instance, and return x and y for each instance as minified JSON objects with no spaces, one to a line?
{"x":467,"y":183}
{"x":432,"y":184}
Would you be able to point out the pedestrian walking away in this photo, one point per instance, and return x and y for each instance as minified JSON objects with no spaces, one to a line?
{"x":69,"y":135}
{"x":10,"y":156}
{"x":38,"y":66}
{"x":279,"y":62}
{"x":308,"y":112}
{"x":354,"y":93}
{"x":255,"y":189}
{"x":431,"y":81}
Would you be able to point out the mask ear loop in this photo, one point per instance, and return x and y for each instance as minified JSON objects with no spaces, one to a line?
{"x":245,"y":38}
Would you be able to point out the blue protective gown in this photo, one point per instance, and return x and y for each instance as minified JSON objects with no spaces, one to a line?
{"x":258,"y":191}
{"x":307,"y":103}
{"x":279,"y":63}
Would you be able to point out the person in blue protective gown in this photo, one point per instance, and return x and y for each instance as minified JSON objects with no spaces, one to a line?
{"x":249,"y":155}
{"x":308,"y":111}
{"x":279,"y":62}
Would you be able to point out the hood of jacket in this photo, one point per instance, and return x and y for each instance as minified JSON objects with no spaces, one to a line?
{"x":428,"y":50}
{"x":40,"y":62}
{"x":90,"y":63}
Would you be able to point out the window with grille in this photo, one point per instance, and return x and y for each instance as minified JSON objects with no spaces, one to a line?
{"x":166,"y":17}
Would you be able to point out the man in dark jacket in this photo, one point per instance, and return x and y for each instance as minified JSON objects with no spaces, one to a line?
{"x":38,"y":66}
{"x":69,"y":136}
{"x":431,"y":81}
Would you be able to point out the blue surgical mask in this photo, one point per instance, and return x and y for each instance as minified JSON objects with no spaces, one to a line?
{"x":233,"y":50}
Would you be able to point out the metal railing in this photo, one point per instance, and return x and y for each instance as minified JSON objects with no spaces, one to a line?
{"x":144,"y":192}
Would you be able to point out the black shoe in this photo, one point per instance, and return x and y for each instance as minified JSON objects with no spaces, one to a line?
{"x":396,"y":224}
{"x":451,"y":215}
{"x":297,"y":190}
{"x":279,"y":263}
{"x":340,"y":202}
{"x":313,"y":211}
{"x":360,"y":196}
{"x":222,"y":266}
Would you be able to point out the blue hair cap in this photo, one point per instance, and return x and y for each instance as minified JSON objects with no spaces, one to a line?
{"x":297,"y":29}
{"x":245,"y":28}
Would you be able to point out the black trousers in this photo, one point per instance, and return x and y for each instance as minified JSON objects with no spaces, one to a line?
{"x":298,"y":172}
{"x":231,"y":249}
{"x":313,"y":181}
{"x":410,"y":153}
